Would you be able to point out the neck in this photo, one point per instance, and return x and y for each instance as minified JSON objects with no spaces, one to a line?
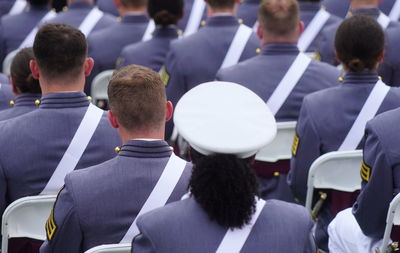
{"x":128,"y":10}
{"x":226,"y":11}
{"x":362,"y":4}
{"x":127,"y":135}
{"x":278,"y":40}
{"x":55,"y":86}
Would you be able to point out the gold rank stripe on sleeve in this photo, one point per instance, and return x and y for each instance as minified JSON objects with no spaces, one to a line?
{"x":164,"y":75}
{"x":365,"y":172}
{"x":51,"y":226}
{"x":295,"y":145}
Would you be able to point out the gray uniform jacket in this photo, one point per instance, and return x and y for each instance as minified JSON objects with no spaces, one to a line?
{"x":23,"y":103}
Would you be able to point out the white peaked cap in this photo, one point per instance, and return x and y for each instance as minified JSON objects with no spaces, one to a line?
{"x":226,"y":118}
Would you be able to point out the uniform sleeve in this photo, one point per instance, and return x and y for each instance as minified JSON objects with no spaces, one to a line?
{"x":63,"y":229}
{"x":325,"y":48}
{"x":142,"y":243}
{"x":372,"y":204}
{"x":3,"y":191}
{"x":305,"y":149}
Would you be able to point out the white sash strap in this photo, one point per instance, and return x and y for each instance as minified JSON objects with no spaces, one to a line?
{"x":161,"y":192}
{"x":234,"y":240}
{"x":288,"y":82}
{"x":255,"y":26}
{"x":90,"y":21}
{"x":28,"y":41}
{"x":395,"y":12}
{"x":18,"y":7}
{"x":149,"y":30}
{"x":369,"y":110}
{"x":237,"y":46}
{"x":75,"y":149}
{"x":383,"y":20}
{"x":312,"y":30}
{"x":195,"y":17}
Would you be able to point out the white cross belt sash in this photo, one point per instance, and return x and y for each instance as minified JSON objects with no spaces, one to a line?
{"x":18,"y":7}
{"x":234,"y":240}
{"x":237,"y":46}
{"x":288,"y":82}
{"x":28,"y":41}
{"x":160,"y":193}
{"x":90,"y":21}
{"x":75,"y":149}
{"x":369,"y":110}
{"x":394,"y":14}
{"x":383,"y":20}
{"x":196,"y":14}
{"x":312,"y":30}
{"x":147,"y":35}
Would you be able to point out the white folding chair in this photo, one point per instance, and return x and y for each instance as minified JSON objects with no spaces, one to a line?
{"x":100,"y":85}
{"x":338,"y":170}
{"x":281,"y":147}
{"x":26,"y":217}
{"x":7,"y":62}
{"x":111,"y":248}
{"x":392,"y":218}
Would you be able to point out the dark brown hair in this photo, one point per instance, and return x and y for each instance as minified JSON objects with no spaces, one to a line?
{"x":134,"y":3}
{"x":279,"y":17}
{"x":359,"y":42}
{"x":60,"y":50}
{"x":165,"y":12}
{"x":21,"y":73}
{"x":221,"y":4}
{"x":137,"y":97}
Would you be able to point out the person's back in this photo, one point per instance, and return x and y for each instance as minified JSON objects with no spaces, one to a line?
{"x":106,"y":45}
{"x":247,"y":11}
{"x":42,"y":139}
{"x":16,"y":28}
{"x":152,"y":53}
{"x":26,"y":88}
{"x":108,"y":6}
{"x":337,"y":7}
{"x":6,"y":93}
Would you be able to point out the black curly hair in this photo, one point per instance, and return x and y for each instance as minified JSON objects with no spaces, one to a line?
{"x":225,"y":187}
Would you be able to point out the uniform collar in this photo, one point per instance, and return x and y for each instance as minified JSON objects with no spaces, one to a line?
{"x":252,"y":1}
{"x":310,"y":6}
{"x":364,"y":77}
{"x":64,"y":100}
{"x":145,"y":149}
{"x":135,"y":18}
{"x":222,"y":20}
{"x":166,"y":32}
{"x":80,"y":5}
{"x":280,"y":48}
{"x":26,"y":99}
{"x":372,"y":12}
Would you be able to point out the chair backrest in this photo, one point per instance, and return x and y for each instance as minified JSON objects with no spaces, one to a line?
{"x":7,"y":62}
{"x":281,"y":147}
{"x":111,"y":248}
{"x":26,"y":217}
{"x":100,"y":85}
{"x":338,"y":170}
{"x":392,"y":218}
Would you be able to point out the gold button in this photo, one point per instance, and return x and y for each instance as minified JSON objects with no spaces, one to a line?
{"x":117,"y":149}
{"x":179,"y":32}
{"x":276,"y":174}
{"x":12,"y":103}
{"x":258,"y":50}
{"x":240,"y":21}
{"x":341,"y":79}
{"x":89,"y":98}
{"x":380,"y":78}
{"x":171,"y":148}
{"x":65,"y":8}
{"x":37,"y":102}
{"x":119,"y":19}
{"x":203,"y":23}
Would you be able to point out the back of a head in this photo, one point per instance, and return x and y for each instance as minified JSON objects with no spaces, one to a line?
{"x":359,"y":42}
{"x":60,"y":51}
{"x":21,"y":73}
{"x":136,"y":4}
{"x":137,"y":98}
{"x":221,"y":4}
{"x":279,"y":17}
{"x":165,"y":12}
{"x":39,"y":2}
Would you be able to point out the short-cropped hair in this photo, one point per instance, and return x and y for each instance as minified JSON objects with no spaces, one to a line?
{"x":220,"y":4}
{"x":60,"y":50}
{"x":134,"y":3}
{"x":137,"y":97}
{"x":279,"y":17}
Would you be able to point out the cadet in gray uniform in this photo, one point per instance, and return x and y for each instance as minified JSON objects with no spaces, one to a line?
{"x":26,"y":88}
{"x":198,"y":57}
{"x":107,"y":6}
{"x":106,"y":45}
{"x":6,"y":94}
{"x":152,"y":53}
{"x":247,"y":11}
{"x":266,"y":73}
{"x":106,"y":198}
{"x":222,"y":212}
{"x":318,"y":130}
{"x":42,"y":140}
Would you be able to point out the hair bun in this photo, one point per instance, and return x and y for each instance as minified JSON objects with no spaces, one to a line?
{"x":165,"y":18}
{"x":356,"y":65}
